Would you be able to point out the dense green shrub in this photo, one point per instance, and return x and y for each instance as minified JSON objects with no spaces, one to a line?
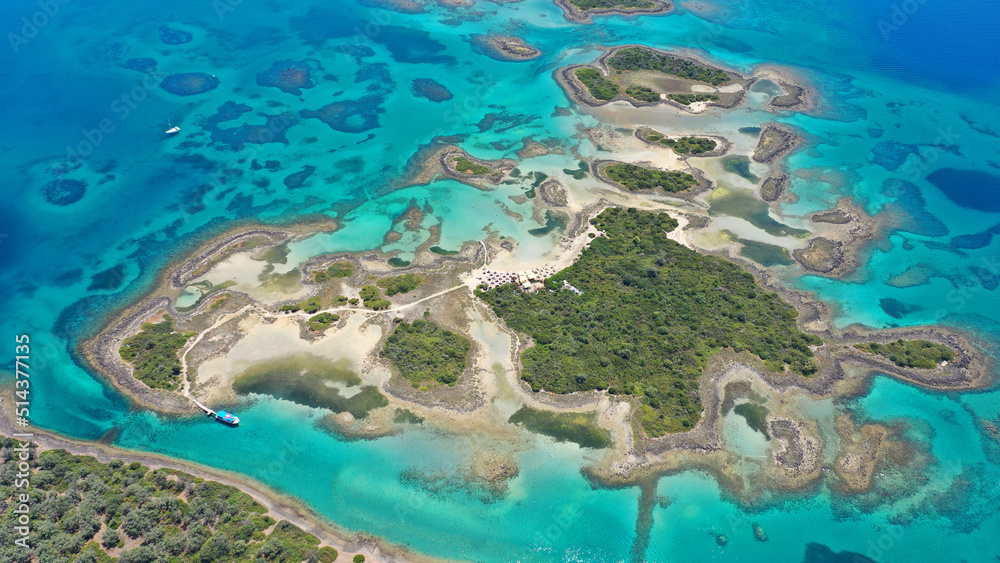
{"x":607,"y":4}
{"x":466,"y":166}
{"x":167,"y":515}
{"x":336,"y":270}
{"x":911,"y":353}
{"x":153,"y":354}
{"x":641,"y":58}
{"x":322,"y":321}
{"x":599,"y":87}
{"x":400,"y":284}
{"x":689,"y":145}
{"x":310,"y":306}
{"x":651,"y":314}
{"x":424,"y":351}
{"x":688,"y":99}
{"x":643,"y":94}
{"x":636,"y":177}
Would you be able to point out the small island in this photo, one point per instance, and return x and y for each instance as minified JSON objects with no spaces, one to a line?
{"x":644,"y":76}
{"x":702,"y":146}
{"x":580,"y":11}
{"x":504,"y":47}
{"x":633,"y":177}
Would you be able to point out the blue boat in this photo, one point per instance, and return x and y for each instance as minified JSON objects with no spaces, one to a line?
{"x":227,"y":418}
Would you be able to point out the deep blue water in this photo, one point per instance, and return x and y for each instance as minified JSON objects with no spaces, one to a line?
{"x":917,"y":104}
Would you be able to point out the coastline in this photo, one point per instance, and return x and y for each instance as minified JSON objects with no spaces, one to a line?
{"x":279,"y":506}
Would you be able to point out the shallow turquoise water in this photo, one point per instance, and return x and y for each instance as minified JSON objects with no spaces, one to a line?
{"x":897,"y":107}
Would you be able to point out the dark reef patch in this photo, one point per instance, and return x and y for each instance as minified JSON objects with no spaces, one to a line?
{"x":357,"y":51}
{"x":988,"y":279}
{"x":891,"y":155}
{"x":975,"y":240}
{"x":408,"y":45}
{"x":349,"y":116}
{"x":235,"y":138}
{"x":819,"y":553}
{"x":64,"y":192}
{"x":108,"y":280}
{"x":189,"y":83}
{"x":896,"y":308}
{"x":143,"y":65}
{"x":503,"y":121}
{"x":321,"y":24}
{"x":431,"y":89}
{"x":291,"y":77}
{"x":915,"y":218}
{"x":971,"y":189}
{"x":298,"y":179}
{"x":378,"y":74}
{"x":171,"y":36}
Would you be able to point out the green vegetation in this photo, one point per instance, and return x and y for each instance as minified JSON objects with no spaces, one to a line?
{"x":599,"y":87}
{"x":609,"y":4}
{"x":423,"y":351}
{"x":336,"y":270}
{"x":920,"y":354}
{"x":755,"y":415}
{"x":651,"y":315}
{"x":372,"y":297}
{"x":162,"y":515}
{"x":310,"y":306}
{"x":400,"y":284}
{"x":643,"y":94}
{"x":636,"y":177}
{"x":359,"y":558}
{"x":153,"y":353}
{"x":641,"y":58}
{"x":688,"y":99}
{"x":683,"y":145}
{"x":466,"y":166}
{"x":309,"y":380}
{"x":322,"y":321}
{"x":580,"y":428}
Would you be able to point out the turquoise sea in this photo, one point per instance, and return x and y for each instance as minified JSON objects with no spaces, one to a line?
{"x":96,"y":202}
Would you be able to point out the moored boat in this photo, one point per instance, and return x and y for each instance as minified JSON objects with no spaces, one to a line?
{"x":227,"y":418}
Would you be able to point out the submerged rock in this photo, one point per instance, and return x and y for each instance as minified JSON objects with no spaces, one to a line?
{"x":759,"y":533}
{"x":189,"y":83}
{"x":64,"y":192}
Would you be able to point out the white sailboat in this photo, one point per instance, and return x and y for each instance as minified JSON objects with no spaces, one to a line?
{"x":172,"y":130}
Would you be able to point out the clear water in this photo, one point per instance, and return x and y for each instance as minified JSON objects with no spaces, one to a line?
{"x":899,"y":104}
